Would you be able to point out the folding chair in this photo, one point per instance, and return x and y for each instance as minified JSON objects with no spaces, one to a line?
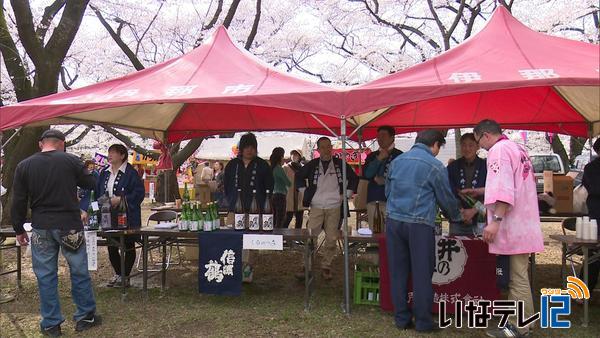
{"x":569,"y":224}
{"x":159,"y":217}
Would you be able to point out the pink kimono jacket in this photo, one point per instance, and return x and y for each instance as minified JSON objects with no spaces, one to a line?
{"x":510,"y":179}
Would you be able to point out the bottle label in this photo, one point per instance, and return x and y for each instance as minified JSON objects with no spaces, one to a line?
{"x":105,"y":221}
{"x":239,"y":222}
{"x":122,"y":220}
{"x":254,"y":222}
{"x":207,"y":226}
{"x":267,"y":222}
{"x":194,"y":226}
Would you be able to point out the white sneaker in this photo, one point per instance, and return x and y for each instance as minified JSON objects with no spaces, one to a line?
{"x":114,"y":280}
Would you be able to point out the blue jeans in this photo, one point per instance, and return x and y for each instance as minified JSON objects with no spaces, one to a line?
{"x":411,"y":250}
{"x":45,"y":245}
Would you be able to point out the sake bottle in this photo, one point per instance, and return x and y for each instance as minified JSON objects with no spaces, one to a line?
{"x":240,"y":214}
{"x":254,"y":214}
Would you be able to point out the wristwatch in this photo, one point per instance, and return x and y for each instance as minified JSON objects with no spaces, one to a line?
{"x":497,"y":218}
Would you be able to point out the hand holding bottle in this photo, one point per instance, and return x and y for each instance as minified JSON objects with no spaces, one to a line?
{"x":115,"y":200}
{"x":468,"y":214}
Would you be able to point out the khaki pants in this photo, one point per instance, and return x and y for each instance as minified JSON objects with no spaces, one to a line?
{"x":371,"y":208}
{"x":518,"y":287}
{"x":329,"y":219}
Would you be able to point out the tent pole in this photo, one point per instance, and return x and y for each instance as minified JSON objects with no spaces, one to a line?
{"x":360,"y":152}
{"x":345,"y":224}
{"x":323,"y":124}
{"x":1,"y":167}
{"x":590,"y":140}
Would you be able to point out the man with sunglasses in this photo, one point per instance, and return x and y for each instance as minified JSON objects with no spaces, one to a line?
{"x":513,"y":227}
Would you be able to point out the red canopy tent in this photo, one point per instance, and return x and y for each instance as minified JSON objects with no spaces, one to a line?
{"x":215,"y":88}
{"x":508,"y":72}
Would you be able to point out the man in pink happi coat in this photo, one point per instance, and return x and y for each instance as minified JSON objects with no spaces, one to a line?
{"x":513,"y":227}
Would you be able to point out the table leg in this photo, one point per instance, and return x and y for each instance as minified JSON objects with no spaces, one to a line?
{"x":585,"y":280}
{"x":163,"y":270}
{"x":123,"y":277}
{"x":532,"y":273}
{"x":19,"y":285}
{"x":307,"y":268}
{"x":563,"y":266}
{"x":145,"y":266}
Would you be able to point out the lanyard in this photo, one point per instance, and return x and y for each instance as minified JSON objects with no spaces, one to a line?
{"x":252,"y":178}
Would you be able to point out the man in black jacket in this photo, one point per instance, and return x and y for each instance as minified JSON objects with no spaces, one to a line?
{"x":49,"y":181}
{"x":376,"y":169}
{"x":591,"y":182}
{"x":324,"y":197}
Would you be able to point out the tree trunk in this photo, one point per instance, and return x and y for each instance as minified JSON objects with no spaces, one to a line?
{"x":575,"y":147}
{"x":172,"y":187}
{"x":559,"y":148}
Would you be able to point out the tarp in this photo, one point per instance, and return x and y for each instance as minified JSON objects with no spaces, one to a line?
{"x":507,"y":72}
{"x":215,"y":88}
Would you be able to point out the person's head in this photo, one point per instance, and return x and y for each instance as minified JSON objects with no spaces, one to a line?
{"x":52,"y":139}
{"x":597,"y":146}
{"x":218,"y":166}
{"x":277,"y":157}
{"x":207,"y":164}
{"x":468,"y":146}
{"x":296,"y":155}
{"x":117,"y":154}
{"x":248,"y":146}
{"x":487,"y":133}
{"x":385,"y":136}
{"x":90,"y":165}
{"x":324,"y":148}
{"x":432,"y":138}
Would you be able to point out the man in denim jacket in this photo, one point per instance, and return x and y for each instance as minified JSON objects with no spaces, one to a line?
{"x":416,"y":184}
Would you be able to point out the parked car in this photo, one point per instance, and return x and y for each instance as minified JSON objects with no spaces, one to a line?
{"x":543,"y":162}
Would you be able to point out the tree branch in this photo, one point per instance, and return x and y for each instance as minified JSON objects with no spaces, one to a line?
{"x":399,"y":27}
{"x":129,"y":143}
{"x":187,"y":151}
{"x":64,"y":33}
{"x":254,"y":26}
{"x":231,"y":13}
{"x":137,"y":47}
{"x":12,"y":60}
{"x":27,"y":35}
{"x":49,"y":13}
{"x":68,"y":132}
{"x":63,"y":78}
{"x":128,"y":52}
{"x":78,"y":138}
{"x":215,"y":17}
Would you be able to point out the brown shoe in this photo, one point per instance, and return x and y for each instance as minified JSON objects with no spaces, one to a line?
{"x":326,"y":272}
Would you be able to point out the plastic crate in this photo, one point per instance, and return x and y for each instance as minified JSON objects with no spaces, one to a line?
{"x":366,"y":284}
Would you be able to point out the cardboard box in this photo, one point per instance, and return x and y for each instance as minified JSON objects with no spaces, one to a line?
{"x":360,"y":199}
{"x":563,"y":192}
{"x":548,"y":180}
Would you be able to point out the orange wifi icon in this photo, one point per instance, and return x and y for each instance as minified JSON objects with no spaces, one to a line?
{"x":577,"y":288}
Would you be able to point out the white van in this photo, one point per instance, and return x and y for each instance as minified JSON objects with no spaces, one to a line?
{"x":543,"y":162}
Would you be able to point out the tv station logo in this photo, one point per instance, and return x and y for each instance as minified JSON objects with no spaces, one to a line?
{"x":554,"y":305}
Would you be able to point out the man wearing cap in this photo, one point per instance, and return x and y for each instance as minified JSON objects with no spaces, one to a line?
{"x":377,"y":167}
{"x":47,"y":182}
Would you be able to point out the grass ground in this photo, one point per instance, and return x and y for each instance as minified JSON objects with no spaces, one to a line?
{"x":271,"y":306}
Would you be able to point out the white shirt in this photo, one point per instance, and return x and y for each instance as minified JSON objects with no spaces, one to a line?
{"x":112,"y":177}
{"x":327,"y":195}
